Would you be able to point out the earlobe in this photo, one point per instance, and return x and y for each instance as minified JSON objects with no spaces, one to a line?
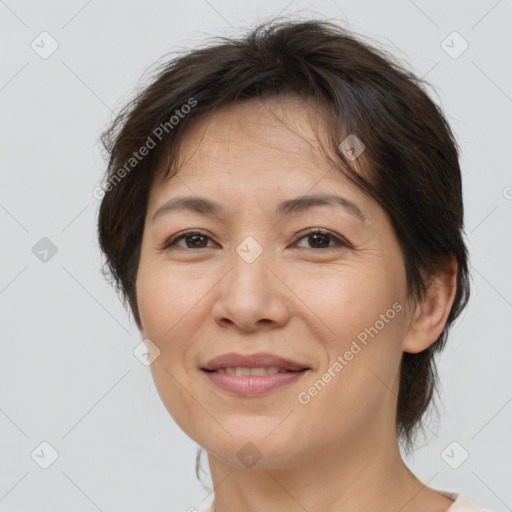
{"x":429,"y":318}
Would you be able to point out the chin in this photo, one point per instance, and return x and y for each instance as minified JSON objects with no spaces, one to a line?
{"x":254,"y":455}
{"x":255,"y":443}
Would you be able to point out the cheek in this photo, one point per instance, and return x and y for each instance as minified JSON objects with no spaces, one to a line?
{"x":168,"y":301}
{"x":166,"y":306}
{"x":358,"y":388}
{"x":367,"y":316}
{"x":364,"y":314}
{"x":347,"y":299}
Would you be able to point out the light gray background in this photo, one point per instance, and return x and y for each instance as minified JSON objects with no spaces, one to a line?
{"x":68,"y":374}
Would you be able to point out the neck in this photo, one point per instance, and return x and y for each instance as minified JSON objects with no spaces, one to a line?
{"x":353,"y":476}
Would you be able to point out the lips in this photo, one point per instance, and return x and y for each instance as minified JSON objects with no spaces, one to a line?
{"x":252,"y":375}
{"x":259,"y":360}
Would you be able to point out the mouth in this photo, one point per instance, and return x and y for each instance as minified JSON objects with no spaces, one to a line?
{"x":257,"y":362}
{"x":252,"y":375}
{"x":241,"y":371}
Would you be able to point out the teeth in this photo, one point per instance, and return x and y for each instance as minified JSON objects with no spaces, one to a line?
{"x":249,"y":371}
{"x":260,"y":371}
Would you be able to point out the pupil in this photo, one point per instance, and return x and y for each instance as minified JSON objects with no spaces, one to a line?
{"x":321,"y":236}
{"x":195,"y":237}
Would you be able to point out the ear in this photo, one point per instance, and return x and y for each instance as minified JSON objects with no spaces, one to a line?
{"x":430,"y":315}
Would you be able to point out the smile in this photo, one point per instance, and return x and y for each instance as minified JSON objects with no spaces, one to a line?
{"x":252,"y":374}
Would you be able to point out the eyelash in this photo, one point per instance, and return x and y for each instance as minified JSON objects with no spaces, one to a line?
{"x":312,"y":231}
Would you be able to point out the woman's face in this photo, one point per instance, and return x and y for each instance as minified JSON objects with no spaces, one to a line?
{"x":253,"y":279}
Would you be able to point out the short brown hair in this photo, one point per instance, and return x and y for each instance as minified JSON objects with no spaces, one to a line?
{"x":410,"y":157}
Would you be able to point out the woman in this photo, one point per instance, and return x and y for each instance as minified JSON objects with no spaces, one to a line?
{"x":283,"y":214}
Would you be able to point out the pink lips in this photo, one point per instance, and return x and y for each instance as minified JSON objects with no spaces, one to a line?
{"x":253,"y":385}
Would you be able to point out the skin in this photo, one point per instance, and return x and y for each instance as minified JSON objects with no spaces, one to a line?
{"x":303,"y":298}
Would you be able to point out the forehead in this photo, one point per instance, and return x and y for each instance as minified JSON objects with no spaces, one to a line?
{"x":277,"y":129}
{"x":279,"y":140}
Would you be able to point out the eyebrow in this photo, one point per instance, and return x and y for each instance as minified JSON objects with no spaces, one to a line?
{"x":205,"y":206}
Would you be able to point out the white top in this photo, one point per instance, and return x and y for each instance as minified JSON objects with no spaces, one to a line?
{"x":460,"y":504}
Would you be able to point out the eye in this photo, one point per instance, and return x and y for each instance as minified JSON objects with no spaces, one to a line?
{"x":321,"y":237}
{"x":196,"y":239}
{"x":316,"y":236}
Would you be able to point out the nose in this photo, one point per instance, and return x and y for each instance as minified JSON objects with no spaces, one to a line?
{"x":252,"y":296}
